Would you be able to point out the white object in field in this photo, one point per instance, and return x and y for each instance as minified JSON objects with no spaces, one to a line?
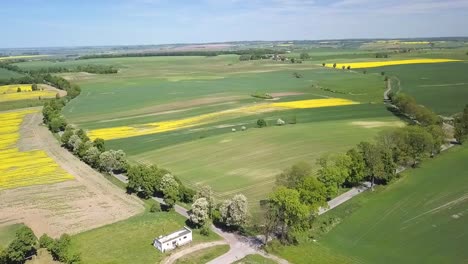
{"x":171,"y":241}
{"x":243,"y":128}
{"x":233,"y":130}
{"x":280,"y":122}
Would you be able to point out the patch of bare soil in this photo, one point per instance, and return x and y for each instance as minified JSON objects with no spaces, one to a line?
{"x":47,"y":87}
{"x":375,"y":124}
{"x":87,"y":202}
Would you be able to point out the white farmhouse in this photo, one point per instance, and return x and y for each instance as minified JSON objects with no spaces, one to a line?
{"x":171,"y":241}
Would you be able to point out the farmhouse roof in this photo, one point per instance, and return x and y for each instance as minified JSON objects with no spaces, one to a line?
{"x":175,"y":235}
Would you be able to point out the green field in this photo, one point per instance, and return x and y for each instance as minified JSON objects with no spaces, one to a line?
{"x":7,"y":234}
{"x":130,"y":241}
{"x":441,"y":87}
{"x":422,"y":218}
{"x":7,"y":74}
{"x":204,"y":255}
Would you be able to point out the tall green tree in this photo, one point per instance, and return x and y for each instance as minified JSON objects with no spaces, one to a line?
{"x":357,"y":167}
{"x":333,"y":172}
{"x":287,"y":211}
{"x":23,"y":246}
{"x":292,"y":177}
{"x":170,"y":189}
{"x":313,"y":193}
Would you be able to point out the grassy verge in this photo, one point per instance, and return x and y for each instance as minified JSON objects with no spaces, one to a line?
{"x":7,"y":234}
{"x":204,"y":255}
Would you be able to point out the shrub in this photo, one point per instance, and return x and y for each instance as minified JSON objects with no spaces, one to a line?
{"x":46,"y":241}
{"x":155,"y":207}
{"x":204,"y":230}
{"x":261,"y":123}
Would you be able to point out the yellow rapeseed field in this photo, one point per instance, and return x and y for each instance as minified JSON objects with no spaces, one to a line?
{"x":164,"y":126}
{"x":374,"y":64}
{"x":10,"y":93}
{"x":19,"y":169}
{"x":13,"y":88}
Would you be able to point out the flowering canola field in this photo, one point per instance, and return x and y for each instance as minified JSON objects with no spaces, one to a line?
{"x":10,"y":93}
{"x":374,"y":64}
{"x":170,"y":125}
{"x":18,"y":169}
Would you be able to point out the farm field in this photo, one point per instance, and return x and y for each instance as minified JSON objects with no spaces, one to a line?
{"x":168,"y":95}
{"x":441,"y":87}
{"x":133,"y":237}
{"x":247,"y":162}
{"x":419,"y":219}
{"x":382,"y":63}
{"x":24,"y":168}
{"x":47,"y":202}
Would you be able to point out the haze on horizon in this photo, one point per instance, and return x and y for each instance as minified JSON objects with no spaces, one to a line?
{"x":41,"y":23}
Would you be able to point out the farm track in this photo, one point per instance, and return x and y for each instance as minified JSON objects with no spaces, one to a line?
{"x":73,"y":206}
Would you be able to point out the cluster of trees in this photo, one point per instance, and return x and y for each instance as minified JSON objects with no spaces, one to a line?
{"x":300,"y":192}
{"x":413,"y":110}
{"x":148,"y":181}
{"x":304,"y":56}
{"x":381,"y":55}
{"x":73,"y":90}
{"x":461,"y":126}
{"x":60,"y":248}
{"x":25,"y":245}
{"x":231,"y":213}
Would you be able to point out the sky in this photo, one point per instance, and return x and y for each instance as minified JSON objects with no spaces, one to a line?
{"x":51,"y":23}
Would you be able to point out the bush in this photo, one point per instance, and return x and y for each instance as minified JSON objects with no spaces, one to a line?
{"x":205,"y":230}
{"x":46,"y":241}
{"x":261,"y":123}
{"x":155,"y":207}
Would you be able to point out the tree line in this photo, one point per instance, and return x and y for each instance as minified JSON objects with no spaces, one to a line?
{"x":90,"y":68}
{"x":25,"y":245}
{"x":180,"y":53}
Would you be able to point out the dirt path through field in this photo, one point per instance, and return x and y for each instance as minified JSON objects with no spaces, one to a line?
{"x":87,"y":202}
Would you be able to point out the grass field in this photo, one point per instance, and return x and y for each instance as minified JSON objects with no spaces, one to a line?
{"x":7,"y":234}
{"x":7,"y":74}
{"x":441,"y":87}
{"x":204,"y":255}
{"x":130,"y":241}
{"x":422,"y":218}
{"x":248,"y":161}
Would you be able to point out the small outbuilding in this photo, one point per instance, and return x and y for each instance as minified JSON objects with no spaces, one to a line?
{"x":171,"y":241}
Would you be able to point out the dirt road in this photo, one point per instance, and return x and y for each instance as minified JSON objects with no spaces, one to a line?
{"x":87,"y":202}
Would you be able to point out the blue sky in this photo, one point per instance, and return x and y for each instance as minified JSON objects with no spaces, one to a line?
{"x":41,"y":23}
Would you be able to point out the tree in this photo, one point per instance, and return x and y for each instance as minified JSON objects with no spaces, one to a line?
{"x":334,"y":65}
{"x":420,"y":143}
{"x":74,"y":143}
{"x":34,"y":87}
{"x":144,"y":180}
{"x":261,"y":123}
{"x":57,"y":124}
{"x":199,"y":212}
{"x":155,"y":207}
{"x":438,"y":137}
{"x":323,"y":64}
{"x":372,"y":158}
{"x":113,"y":160}
{"x":294,"y":176}
{"x":356,"y":167}
{"x":170,"y":188}
{"x":18,"y":90}
{"x":349,"y":67}
{"x":461,"y":126}
{"x":287,"y":212}
{"x":69,"y":131}
{"x":22,"y":246}
{"x":333,"y":172}
{"x":304,"y":56}
{"x":207,"y":193}
{"x":91,"y":157}
{"x":99,"y":144}
{"x":234,"y":212}
{"x":313,"y":193}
